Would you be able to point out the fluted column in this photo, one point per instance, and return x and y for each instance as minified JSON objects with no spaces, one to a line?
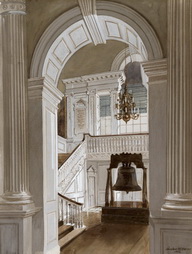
{"x":12,"y":21}
{"x":179,"y":135}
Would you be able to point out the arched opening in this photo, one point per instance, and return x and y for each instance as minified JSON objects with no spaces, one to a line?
{"x":59,"y":56}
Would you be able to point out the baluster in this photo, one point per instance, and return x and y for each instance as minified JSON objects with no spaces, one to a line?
{"x":143,"y":143}
{"x":111,"y":145}
{"x":73,"y":214}
{"x":94,"y":146}
{"x":103,"y":145}
{"x":62,"y":210}
{"x":126,"y":143}
{"x":81,"y":216}
{"x":77,"y":216}
{"x":59,"y":212}
{"x":69,"y":213}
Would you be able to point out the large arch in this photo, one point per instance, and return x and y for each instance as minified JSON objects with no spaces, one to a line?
{"x":51,"y":42}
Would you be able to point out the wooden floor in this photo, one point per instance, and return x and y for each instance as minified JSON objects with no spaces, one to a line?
{"x":109,"y":238}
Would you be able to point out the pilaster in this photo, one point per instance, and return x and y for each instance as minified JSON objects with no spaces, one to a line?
{"x":156,"y":72}
{"x":179,"y":160}
{"x":43,"y":101}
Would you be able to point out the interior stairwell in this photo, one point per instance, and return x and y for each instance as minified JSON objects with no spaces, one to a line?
{"x":70,"y":220}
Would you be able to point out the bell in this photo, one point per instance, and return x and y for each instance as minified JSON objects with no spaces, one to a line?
{"x":126,"y":179}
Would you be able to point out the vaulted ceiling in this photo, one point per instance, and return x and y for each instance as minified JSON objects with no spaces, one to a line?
{"x":41,"y":13}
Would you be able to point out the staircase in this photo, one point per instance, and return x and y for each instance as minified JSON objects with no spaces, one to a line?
{"x":70,"y":167}
{"x":62,"y":157}
{"x":70,"y":220}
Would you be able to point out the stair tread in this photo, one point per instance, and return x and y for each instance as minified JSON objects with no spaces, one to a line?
{"x":70,"y":236}
{"x":64,"y":228}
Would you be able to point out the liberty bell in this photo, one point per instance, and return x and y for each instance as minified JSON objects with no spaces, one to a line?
{"x":126,"y":179}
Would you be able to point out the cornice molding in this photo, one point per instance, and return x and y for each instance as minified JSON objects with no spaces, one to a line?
{"x":156,"y":70}
{"x":39,"y":88}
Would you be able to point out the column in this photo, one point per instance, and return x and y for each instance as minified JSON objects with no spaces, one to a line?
{"x":179,"y":161}
{"x":16,"y":205}
{"x":43,"y":163}
{"x":16,"y":186}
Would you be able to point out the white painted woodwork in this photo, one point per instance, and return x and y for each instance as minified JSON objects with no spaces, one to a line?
{"x":92,"y":186}
{"x":157,"y":83}
{"x":157,"y":88}
{"x":16,"y":205}
{"x":179,"y":160}
{"x":83,"y":175}
{"x":101,"y":147}
{"x":102,"y":180}
{"x":62,"y":144}
{"x":43,"y":101}
{"x":50,"y":40}
{"x":83,"y":113}
{"x":16,"y":184}
{"x":88,"y":9}
{"x":71,"y":168}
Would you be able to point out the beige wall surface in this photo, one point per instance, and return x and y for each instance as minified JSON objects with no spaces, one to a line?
{"x":41,"y":13}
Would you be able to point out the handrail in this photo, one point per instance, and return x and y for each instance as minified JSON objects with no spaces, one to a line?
{"x":71,"y":153}
{"x":70,"y":212}
{"x":71,"y":166}
{"x":70,"y":200}
{"x":115,"y":135}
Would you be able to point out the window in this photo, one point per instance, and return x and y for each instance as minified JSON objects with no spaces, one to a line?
{"x":105,"y":106}
{"x":105,"y":114}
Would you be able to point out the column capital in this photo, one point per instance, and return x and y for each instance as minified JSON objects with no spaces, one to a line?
{"x":12,"y":6}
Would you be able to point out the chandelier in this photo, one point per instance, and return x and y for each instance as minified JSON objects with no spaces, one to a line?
{"x":125,"y":103}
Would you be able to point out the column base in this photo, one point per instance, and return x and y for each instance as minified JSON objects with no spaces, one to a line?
{"x":55,"y":250}
{"x":16,"y":227}
{"x":17,"y":197}
{"x":181,"y":202}
{"x":170,"y":235}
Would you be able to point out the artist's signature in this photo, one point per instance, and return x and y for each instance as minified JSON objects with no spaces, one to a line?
{"x":178,"y":250}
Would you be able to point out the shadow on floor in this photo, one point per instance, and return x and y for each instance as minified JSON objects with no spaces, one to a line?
{"x":107,"y":238}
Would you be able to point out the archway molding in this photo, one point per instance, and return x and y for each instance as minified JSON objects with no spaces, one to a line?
{"x":68,"y":33}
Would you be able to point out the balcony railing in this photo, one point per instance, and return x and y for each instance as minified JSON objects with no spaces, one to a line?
{"x":115,"y":144}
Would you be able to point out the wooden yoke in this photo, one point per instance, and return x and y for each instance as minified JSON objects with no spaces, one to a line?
{"x":125,"y":158}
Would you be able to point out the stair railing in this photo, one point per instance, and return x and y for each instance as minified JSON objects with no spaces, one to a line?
{"x":70,"y":212}
{"x":71,"y":166}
